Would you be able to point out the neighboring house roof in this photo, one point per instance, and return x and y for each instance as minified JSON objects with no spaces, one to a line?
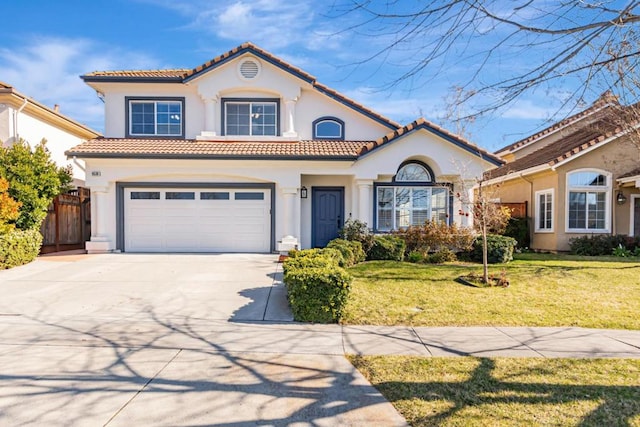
{"x":576,"y":141}
{"x":10,"y":96}
{"x":185,"y":75}
{"x":605,"y":100}
{"x":422,"y":123}
{"x":195,"y":149}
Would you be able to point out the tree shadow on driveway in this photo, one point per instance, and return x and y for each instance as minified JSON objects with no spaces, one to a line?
{"x":173,"y":370}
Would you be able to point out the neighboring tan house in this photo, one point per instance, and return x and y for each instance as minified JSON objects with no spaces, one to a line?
{"x":579,"y":177}
{"x":247,"y":153}
{"x":26,"y":118}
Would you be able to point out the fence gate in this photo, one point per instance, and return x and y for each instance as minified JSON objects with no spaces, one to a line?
{"x":68,"y":222}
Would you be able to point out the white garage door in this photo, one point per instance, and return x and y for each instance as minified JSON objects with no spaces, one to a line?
{"x":197,"y":220}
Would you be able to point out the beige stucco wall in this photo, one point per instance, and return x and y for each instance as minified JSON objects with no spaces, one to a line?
{"x":615,"y":158}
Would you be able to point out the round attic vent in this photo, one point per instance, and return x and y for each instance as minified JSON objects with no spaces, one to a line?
{"x":249,"y":69}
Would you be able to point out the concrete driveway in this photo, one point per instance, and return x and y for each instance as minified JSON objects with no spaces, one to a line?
{"x":128,"y":339}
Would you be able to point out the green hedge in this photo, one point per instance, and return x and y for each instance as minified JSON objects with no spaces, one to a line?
{"x":518,"y":228}
{"x":602,"y":244}
{"x":387,"y":247}
{"x":19,"y":247}
{"x":499,"y":249}
{"x":351,"y":251}
{"x":317,"y":287}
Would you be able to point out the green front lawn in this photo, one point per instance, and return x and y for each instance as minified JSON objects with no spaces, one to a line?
{"x":545,"y":290}
{"x":466,"y":391}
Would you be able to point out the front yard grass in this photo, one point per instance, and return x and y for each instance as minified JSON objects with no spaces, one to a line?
{"x":466,"y":391}
{"x":545,"y":290}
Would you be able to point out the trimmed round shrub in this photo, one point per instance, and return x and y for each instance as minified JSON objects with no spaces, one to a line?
{"x":351,"y":251}
{"x":19,"y":247}
{"x":387,"y":247}
{"x":317,"y":287}
{"x":499,"y":249}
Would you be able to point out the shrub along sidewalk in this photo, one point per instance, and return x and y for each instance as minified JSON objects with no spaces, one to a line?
{"x":545,"y":290}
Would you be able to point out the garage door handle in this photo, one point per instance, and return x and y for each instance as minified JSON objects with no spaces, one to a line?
{"x":339,"y":222}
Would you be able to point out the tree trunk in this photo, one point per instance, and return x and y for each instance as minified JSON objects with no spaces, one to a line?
{"x":485,"y":255}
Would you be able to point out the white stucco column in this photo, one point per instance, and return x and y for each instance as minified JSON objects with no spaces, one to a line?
{"x":99,"y":242}
{"x":209,"y":115}
{"x":290,"y":240}
{"x":365,"y":206}
{"x":290,"y":117}
{"x":464,"y":204}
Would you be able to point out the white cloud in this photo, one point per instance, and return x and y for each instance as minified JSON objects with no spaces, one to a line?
{"x":47,"y":69}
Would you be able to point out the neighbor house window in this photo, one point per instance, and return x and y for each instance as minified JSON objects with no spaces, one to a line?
{"x":544,"y":211}
{"x":155,"y":117}
{"x":250,"y":118}
{"x":411,"y":199}
{"x":588,"y":194}
{"x":328,"y":128}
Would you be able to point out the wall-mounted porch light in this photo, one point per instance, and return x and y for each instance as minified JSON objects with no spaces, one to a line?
{"x":303,"y":193}
{"x":620,"y":198}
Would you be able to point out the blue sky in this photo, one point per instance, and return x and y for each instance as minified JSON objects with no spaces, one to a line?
{"x":47,"y":44}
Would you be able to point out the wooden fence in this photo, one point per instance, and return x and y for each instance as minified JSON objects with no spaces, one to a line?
{"x":68,"y":222}
{"x":518,"y":210}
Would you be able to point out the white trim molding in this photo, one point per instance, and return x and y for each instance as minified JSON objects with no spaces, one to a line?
{"x":593,"y":189}
{"x":548,"y":192}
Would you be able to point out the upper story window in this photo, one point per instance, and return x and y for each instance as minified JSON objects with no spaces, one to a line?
{"x":155,"y":117}
{"x":588,"y":194}
{"x":328,"y":128}
{"x":258,"y":117}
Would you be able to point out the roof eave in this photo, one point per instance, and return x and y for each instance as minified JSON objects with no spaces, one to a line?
{"x":256,"y":52}
{"x":187,"y":156}
{"x":130,"y":79}
{"x":518,"y":174}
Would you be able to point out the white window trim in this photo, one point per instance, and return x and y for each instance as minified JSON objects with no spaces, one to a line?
{"x":393,"y":208}
{"x":632,"y":201}
{"x":607,"y":200}
{"x":155,"y":118}
{"x":536,"y":209}
{"x":250,"y":102}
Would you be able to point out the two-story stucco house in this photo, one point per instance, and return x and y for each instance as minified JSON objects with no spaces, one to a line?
{"x":247,"y":153}
{"x":22,"y":117}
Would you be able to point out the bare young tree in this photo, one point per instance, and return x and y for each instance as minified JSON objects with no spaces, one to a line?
{"x":579,"y":48}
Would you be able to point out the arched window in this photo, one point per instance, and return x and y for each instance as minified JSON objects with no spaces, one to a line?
{"x":328,"y":128}
{"x":413,"y":172}
{"x":411,"y":198}
{"x":588,"y":201}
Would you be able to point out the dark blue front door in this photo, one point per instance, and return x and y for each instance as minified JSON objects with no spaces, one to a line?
{"x":327,"y":206}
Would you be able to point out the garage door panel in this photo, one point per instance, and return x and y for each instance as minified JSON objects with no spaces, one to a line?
{"x":197,"y":220}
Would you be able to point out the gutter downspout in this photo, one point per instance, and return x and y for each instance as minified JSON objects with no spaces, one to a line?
{"x":16,"y":113}
{"x":77,"y":163}
{"x":529,"y":207}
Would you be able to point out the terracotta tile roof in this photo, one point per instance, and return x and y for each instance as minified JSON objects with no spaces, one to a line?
{"x":178,"y":73}
{"x":576,"y":140}
{"x":432,"y":127}
{"x":189,"y":148}
{"x":605,"y":100}
{"x":184,"y":74}
{"x":248,"y":46}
